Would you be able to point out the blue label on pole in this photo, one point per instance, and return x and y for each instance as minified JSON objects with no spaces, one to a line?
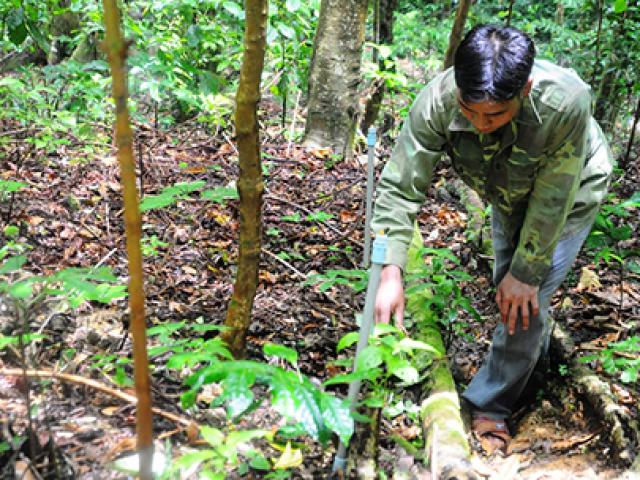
{"x":371,"y":137}
{"x":379,"y":249}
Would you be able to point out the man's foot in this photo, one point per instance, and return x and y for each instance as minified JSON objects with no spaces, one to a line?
{"x":492,"y":433}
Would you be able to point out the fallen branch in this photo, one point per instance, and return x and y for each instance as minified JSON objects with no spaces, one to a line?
{"x":101,"y":387}
{"x":446,"y":445}
{"x":598,"y":393}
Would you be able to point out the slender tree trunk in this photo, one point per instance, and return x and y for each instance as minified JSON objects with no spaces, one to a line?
{"x":116,"y":48}
{"x":598,"y":37}
{"x":636,"y":118}
{"x":510,"y":13}
{"x":334,"y":76}
{"x":456,"y":32}
{"x":608,"y":85}
{"x":384,"y":36}
{"x":560,"y":13}
{"x":250,"y":184}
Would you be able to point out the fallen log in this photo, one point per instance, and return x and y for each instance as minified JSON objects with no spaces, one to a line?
{"x":447,"y":450}
{"x":623,"y":430}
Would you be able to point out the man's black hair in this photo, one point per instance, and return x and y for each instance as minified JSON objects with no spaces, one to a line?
{"x":493,"y":63}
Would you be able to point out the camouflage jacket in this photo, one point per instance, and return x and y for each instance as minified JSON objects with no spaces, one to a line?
{"x":547,"y":170}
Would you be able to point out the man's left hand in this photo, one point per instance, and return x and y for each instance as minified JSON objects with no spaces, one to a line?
{"x":514,"y":296}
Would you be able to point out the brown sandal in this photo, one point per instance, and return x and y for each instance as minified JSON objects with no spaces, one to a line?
{"x":492,"y":433}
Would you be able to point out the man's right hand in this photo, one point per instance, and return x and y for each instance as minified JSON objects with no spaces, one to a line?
{"x":390,"y":296}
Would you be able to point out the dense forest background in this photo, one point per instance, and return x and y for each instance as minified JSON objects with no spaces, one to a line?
{"x":249,"y":361}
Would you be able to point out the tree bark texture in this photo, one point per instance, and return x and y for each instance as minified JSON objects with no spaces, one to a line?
{"x":116,"y":48}
{"x":250,"y":184}
{"x":456,"y":32}
{"x":446,"y":445}
{"x":334,"y":75}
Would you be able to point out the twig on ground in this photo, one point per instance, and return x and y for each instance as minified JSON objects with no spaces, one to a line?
{"x":101,"y":387}
{"x":297,"y":272}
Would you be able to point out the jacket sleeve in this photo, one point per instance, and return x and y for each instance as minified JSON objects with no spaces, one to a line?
{"x":554,"y":190}
{"x":406,"y":177}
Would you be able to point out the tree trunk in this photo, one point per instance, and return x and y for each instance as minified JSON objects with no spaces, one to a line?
{"x":116,"y":48}
{"x":384,"y":27}
{"x":636,"y":118}
{"x":456,"y":32}
{"x":334,"y":75}
{"x":596,"y":62}
{"x":509,"y":13}
{"x":609,"y":89}
{"x":62,"y":26}
{"x":250,"y":184}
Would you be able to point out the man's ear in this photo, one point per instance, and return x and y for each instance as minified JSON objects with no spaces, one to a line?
{"x":527,"y":87}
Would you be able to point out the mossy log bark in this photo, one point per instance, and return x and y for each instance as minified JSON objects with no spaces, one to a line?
{"x":446,"y":446}
{"x":622,"y":429}
{"x":364,"y":461}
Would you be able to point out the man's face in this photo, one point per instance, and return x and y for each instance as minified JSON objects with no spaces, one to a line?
{"x":489,"y":116}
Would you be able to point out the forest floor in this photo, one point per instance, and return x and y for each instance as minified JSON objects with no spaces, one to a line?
{"x":71,"y":215}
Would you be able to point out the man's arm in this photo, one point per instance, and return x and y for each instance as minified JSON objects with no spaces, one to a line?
{"x":402,"y":191}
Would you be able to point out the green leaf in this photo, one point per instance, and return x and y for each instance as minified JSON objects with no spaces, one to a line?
{"x":18,"y":34}
{"x":629,"y":375}
{"x":285,"y":30}
{"x":258,"y":462}
{"x":11,"y":231}
{"x":374,"y":402}
{"x":408,"y":345}
{"x":10,"y":186}
{"x":151,"y":202}
{"x":620,"y":6}
{"x":370,"y":357}
{"x":23,"y":289}
{"x":348,"y":340}
{"x":281,"y":351}
{"x":371,"y":374}
{"x":292,"y":5}
{"x":237,"y":392}
{"x":13,"y":264}
{"x":407,"y":374}
{"x":13,"y":84}
{"x":220,"y":194}
{"x":211,"y":435}
{"x":234,"y":9}
{"x":295,"y":400}
{"x":337,"y":416}
{"x":244,"y":436}
{"x":291,"y":218}
{"x":319,"y":216}
{"x":384,"y":328}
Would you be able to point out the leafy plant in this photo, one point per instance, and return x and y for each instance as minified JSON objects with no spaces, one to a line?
{"x":355,"y":279}
{"x":609,"y":234}
{"x":150,"y":245}
{"x":222,"y":455}
{"x":293,"y":395}
{"x":435,"y":287}
{"x":619,"y":358}
{"x":388,"y":354}
{"x":181,"y":190}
